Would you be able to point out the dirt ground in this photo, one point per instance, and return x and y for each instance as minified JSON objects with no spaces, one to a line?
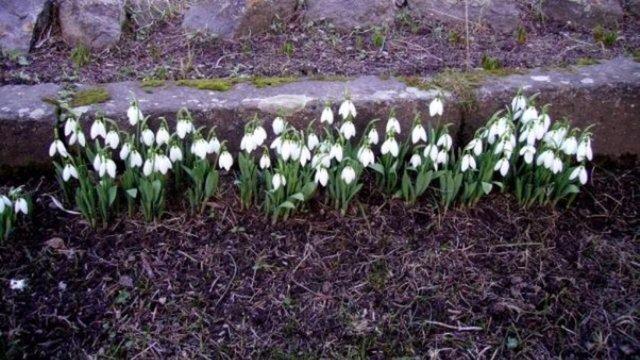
{"x":493,"y":281}
{"x":162,"y":51}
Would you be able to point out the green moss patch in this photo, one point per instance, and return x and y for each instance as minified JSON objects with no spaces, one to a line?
{"x":223,"y":84}
{"x":90,"y":96}
{"x":262,"y":82}
{"x":152,"y":83}
{"x":586,"y":61}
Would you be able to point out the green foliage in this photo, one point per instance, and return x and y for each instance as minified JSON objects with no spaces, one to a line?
{"x":586,"y":61}
{"x":521,"y":35}
{"x":288,"y":49}
{"x":81,"y":55}
{"x":604,"y":36}
{"x":209,"y":84}
{"x":261,"y":82}
{"x":90,"y":96}
{"x":379,"y":37}
{"x":490,"y":63}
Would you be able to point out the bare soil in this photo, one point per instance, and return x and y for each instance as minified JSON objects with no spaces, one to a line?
{"x":164,"y":51}
{"x":493,"y":281}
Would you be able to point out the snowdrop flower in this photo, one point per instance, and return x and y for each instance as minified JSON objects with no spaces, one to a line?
{"x":265,"y":161}
{"x":584,"y":150}
{"x":416,"y":160}
{"x":436,"y":107}
{"x":348,"y":130}
{"x":570,"y":145}
{"x":418,"y":134}
{"x":98,"y":129}
{"x":475,"y":145}
{"x":348,"y":175}
{"x":278,"y":125}
{"x":112,"y":139}
{"x":175,"y":154}
{"x":373,"y":137}
{"x":108,"y":167}
{"x":135,"y":160}
{"x":528,"y":152}
{"x":322,"y":176}
{"x":17,"y":284}
{"x":70,"y":126}
{"x":336,"y":152}
{"x":200,"y":148}
{"x":97,"y":162}
{"x":312,"y":141}
{"x":57,"y":147}
{"x":213,"y":146}
{"x":125,"y":151}
{"x":21,"y":206}
{"x":390,"y":146}
{"x":529,"y":115}
{"x":184,"y":127}
{"x":147,"y":137}
{"x":393,"y":126}
{"x":277,"y":144}
{"x":147,"y":169}
{"x":431,"y":152}
{"x":69,"y":172}
{"x":162,"y":136}
{"x":442,"y":157}
{"x":225,"y":161}
{"x":162,"y":164}
{"x":468,"y":162}
{"x":259,"y":135}
{"x":517,"y":105}
{"x":321,"y":159}
{"x":286,"y":149}
{"x":347,"y":109}
{"x":134,"y":114}
{"x":445,"y":141}
{"x":78,"y":136}
{"x":581,"y":173}
{"x":542,"y":125}
{"x":555,"y":137}
{"x":545,"y":159}
{"x":277,"y":181}
{"x":365,"y":156}
{"x":4,"y":202}
{"x":305,"y":155}
{"x":327,"y":115}
{"x":556,"y":167}
{"x":248,"y":143}
{"x":503,"y":166}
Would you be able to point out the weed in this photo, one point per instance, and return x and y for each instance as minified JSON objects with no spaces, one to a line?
{"x":490,"y":63}
{"x":90,"y":96}
{"x":81,"y":55}
{"x":288,"y":49}
{"x":455,"y":38}
{"x":606,"y":37}
{"x":521,"y":35}
{"x":378,"y":38}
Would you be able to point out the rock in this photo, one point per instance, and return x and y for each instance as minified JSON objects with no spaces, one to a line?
{"x":96,"y":24}
{"x":633,"y":6}
{"x":584,"y":13}
{"x":348,"y":15}
{"x":55,"y":243}
{"x":500,"y":15}
{"x":236,"y":18}
{"x":20,"y":21}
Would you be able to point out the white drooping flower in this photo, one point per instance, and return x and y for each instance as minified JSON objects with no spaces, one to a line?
{"x":305,"y":155}
{"x":147,"y":137}
{"x":431,"y":152}
{"x":147,"y":169}
{"x":200,"y":148}
{"x":336,"y":152}
{"x":112,"y":139}
{"x":322,"y":176}
{"x":17,"y":284}
{"x":468,"y":162}
{"x":327,"y":115}
{"x":213,"y":146}
{"x":312,"y":141}
{"x":57,"y":147}
{"x":348,"y":130}
{"x":445,"y":141}
{"x":393,"y":126}
{"x":175,"y":154}
{"x":584,"y":150}
{"x":4,"y":203}
{"x":277,"y":181}
{"x":69,"y":172}
{"x":259,"y":135}
{"x":135,"y":160}
{"x":416,"y":160}
{"x":497,"y":129}
{"x":418,"y":134}
{"x":265,"y":161}
{"x":162,"y":164}
{"x":70,"y":126}
{"x":372,"y":137}
{"x":557,"y":165}
{"x":556,"y":137}
{"x":125,"y":151}
{"x":348,"y":175}
{"x":442,"y":158}
{"x":104,"y":166}
{"x":570,"y":145}
{"x":528,"y":153}
{"x":580,"y":173}
{"x":347,"y":108}
{"x":111,"y":168}
{"x":503,"y":166}
{"x":21,"y":206}
{"x":529,"y":115}
{"x":184,"y":127}
{"x":248,"y":143}
{"x":78,"y":136}
{"x":278,"y":125}
{"x":321,"y":159}
{"x":518,"y":104}
{"x":162,"y":136}
{"x":390,"y":146}
{"x":225,"y":161}
{"x":98,"y":129}
{"x":134,"y":114}
{"x":475,"y":145}
{"x":365,"y":156}
{"x":545,"y":159}
{"x":287,"y":149}
{"x":436,"y":107}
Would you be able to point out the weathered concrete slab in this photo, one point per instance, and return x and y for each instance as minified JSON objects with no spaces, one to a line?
{"x":607,"y":95}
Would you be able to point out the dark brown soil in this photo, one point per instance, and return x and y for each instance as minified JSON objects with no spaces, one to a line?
{"x":494,"y":281}
{"x":163,"y":51}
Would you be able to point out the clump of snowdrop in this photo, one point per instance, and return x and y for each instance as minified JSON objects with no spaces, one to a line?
{"x":12,"y":205}
{"x":393,"y":153}
{"x":254,"y":137}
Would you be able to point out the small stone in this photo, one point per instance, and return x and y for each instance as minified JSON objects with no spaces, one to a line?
{"x":126,"y":281}
{"x":55,"y":243}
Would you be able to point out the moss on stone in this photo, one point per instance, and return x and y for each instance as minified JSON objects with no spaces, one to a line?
{"x":152,"y":83}
{"x":262,"y":82}
{"x":223,"y":84}
{"x":90,"y":96}
{"x":636,"y":55}
{"x":319,"y":77}
{"x":586,"y":61}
